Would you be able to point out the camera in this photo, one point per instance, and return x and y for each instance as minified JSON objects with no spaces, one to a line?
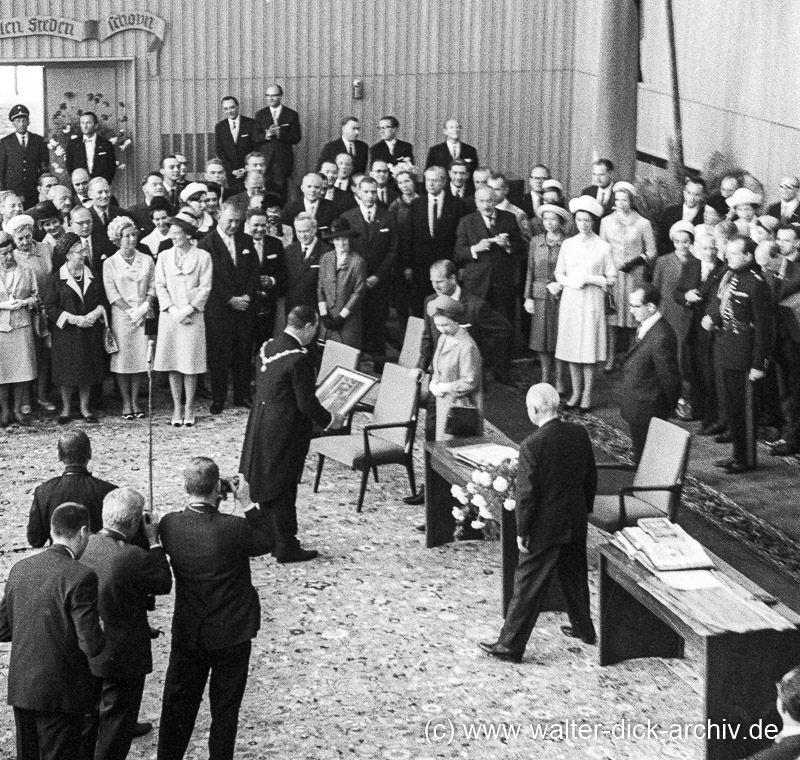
{"x":226,"y":486}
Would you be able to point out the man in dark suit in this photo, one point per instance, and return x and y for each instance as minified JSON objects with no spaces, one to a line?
{"x":278,"y":130}
{"x":347,"y":143}
{"x":253,"y":184}
{"x":651,"y":381}
{"x":79,"y":179}
{"x":271,"y":274}
{"x":532,"y":199}
{"x":230,"y":308}
{"x":128,"y":576}
{"x":171,"y":175}
{"x":312,"y":202}
{"x":102,"y":210}
{"x":443,"y":153}
{"x":302,"y":264}
{"x":376,"y":243}
{"x":74,"y":484}
{"x":279,"y":432}
{"x":96,"y":245}
{"x":23,"y":157}
{"x":88,"y":150}
{"x":379,"y":171}
{"x":602,"y":185}
{"x":234,"y":138}
{"x":787,"y":209}
{"x":787,"y":742}
{"x":49,"y":614}
{"x":787,"y":349}
{"x":152,"y":187}
{"x":458,"y":187}
{"x":389,"y":148}
{"x":556,"y":486}
{"x":691,"y":210}
{"x":741,"y":314}
{"x":217,"y":611}
{"x":488,"y":248}
{"x":434,"y":219}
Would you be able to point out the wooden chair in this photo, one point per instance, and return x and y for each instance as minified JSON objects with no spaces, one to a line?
{"x":657,"y":483}
{"x":409,"y":358}
{"x":388,"y":439}
{"x":337,"y":355}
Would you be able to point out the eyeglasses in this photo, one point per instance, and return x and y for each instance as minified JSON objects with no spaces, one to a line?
{"x":789,"y":187}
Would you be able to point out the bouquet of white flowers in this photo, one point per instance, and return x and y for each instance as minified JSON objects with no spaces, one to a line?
{"x":492,"y":489}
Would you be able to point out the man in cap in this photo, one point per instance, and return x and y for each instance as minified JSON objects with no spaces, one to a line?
{"x":88,"y":150}
{"x":23,"y":157}
{"x":278,"y":131}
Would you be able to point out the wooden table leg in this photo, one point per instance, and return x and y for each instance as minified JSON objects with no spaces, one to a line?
{"x":627,"y":628}
{"x":439,"y":502}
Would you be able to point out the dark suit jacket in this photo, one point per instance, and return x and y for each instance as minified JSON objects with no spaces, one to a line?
{"x":285,"y":407}
{"x":232,"y":154}
{"x":690,"y":279}
{"x":76,"y":484}
{"x":380,"y":152}
{"x":216,"y":605}
{"x":272,"y":264}
{"x":229,"y":280}
{"x":484,"y":324}
{"x":608,"y":207}
{"x":439,"y":155}
{"x":139,"y":213}
{"x":343,"y":200}
{"x":327,"y":211}
{"x":424,"y":249}
{"x":49,"y":614}
{"x":556,"y":484}
{"x":495,"y":266}
{"x":671,"y":215}
{"x":128,"y":575}
{"x":651,"y":380}
{"x":278,"y":152}
{"x":112,"y":212}
{"x":20,"y":170}
{"x":788,"y":749}
{"x":105,"y":157}
{"x":376,"y":244}
{"x":302,"y":275}
{"x":335,"y":147}
{"x":775,"y":210}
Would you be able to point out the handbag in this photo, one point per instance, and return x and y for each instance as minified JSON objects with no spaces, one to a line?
{"x":109,"y":341}
{"x":39,"y":319}
{"x":611,"y":304}
{"x":462,"y":421}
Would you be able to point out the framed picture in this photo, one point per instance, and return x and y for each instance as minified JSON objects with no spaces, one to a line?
{"x":343,"y":389}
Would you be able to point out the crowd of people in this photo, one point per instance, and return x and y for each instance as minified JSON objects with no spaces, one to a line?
{"x":196,"y":275}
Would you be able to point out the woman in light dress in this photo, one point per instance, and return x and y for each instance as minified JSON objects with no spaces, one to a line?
{"x":183,"y":284}
{"x":542,"y":292}
{"x":586,"y":270}
{"x":457,"y":377}
{"x":18,"y":296}
{"x":633,"y":247}
{"x":129,"y":280}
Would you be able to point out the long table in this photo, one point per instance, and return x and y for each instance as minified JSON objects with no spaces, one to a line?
{"x":442,"y":470}
{"x":641,"y":616}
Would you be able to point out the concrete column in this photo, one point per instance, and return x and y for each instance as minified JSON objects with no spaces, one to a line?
{"x":616,"y":94}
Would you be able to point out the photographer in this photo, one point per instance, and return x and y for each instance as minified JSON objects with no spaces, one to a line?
{"x":128,"y":576}
{"x":217,"y":611}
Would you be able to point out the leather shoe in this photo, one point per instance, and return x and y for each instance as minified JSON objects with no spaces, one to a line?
{"x":300,"y":555}
{"x":89,"y":418}
{"x":496,"y":649}
{"x":23,"y":419}
{"x":737,"y":468}
{"x":723,"y":437}
{"x":215,"y":408}
{"x":568,"y":630}
{"x":784,"y":449}
{"x":63,"y":419}
{"x":723,"y":464}
{"x":142,"y":729}
{"x":418,"y":498}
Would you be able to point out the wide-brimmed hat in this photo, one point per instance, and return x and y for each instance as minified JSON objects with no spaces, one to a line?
{"x":622,"y":185}
{"x":159,"y":203}
{"x":340,"y":228}
{"x":558,"y":210}
{"x":191,"y":189}
{"x":447,"y":307}
{"x":44,"y":211}
{"x":744,"y":195}
{"x":552,"y":184}
{"x":682,"y":226}
{"x":587,"y":203}
{"x":17,"y":222}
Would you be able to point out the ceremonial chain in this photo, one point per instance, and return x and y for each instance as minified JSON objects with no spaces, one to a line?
{"x":265,"y":360}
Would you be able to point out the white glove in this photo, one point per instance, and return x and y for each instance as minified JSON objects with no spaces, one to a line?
{"x":529,"y":305}
{"x":554,"y":288}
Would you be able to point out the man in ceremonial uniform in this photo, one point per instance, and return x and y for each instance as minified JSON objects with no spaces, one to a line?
{"x":278,"y":433}
{"x":23,"y":157}
{"x":740,"y":312}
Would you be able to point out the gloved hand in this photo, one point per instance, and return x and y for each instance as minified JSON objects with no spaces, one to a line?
{"x":327,"y":321}
{"x":337,"y":323}
{"x":629,"y":266}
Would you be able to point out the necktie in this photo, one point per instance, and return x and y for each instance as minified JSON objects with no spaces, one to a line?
{"x":231,"y":248}
{"x":24,"y":141}
{"x":382,"y":195}
{"x":351,"y":149}
{"x":234,"y":131}
{"x":259,"y":245}
{"x":305,"y":253}
{"x":433,"y":215}
{"x":454,"y":150}
{"x":370,"y":215}
{"x":104,"y":218}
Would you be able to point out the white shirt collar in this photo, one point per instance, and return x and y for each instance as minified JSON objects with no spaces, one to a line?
{"x":439,"y":197}
{"x":456,"y":293}
{"x":647,"y":324}
{"x":787,"y":732}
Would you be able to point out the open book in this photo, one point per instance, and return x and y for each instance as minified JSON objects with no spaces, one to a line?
{"x":661,"y":545}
